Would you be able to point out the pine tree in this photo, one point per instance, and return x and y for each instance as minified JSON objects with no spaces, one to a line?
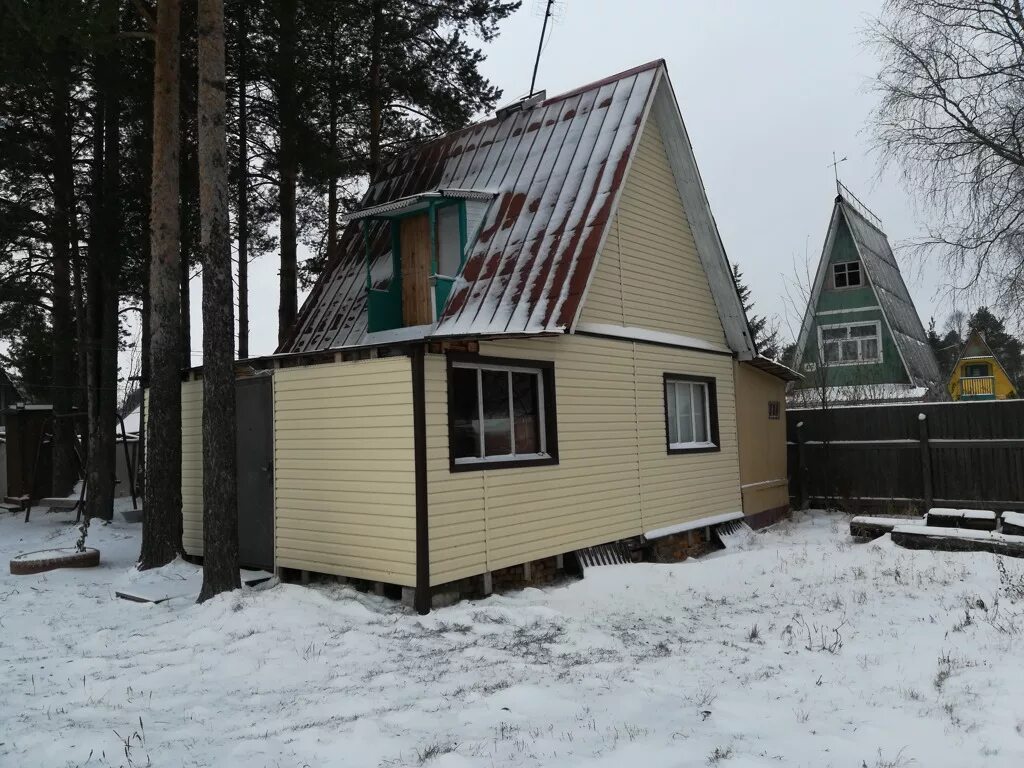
{"x":220,"y":511}
{"x":162,"y":523}
{"x":765,"y":336}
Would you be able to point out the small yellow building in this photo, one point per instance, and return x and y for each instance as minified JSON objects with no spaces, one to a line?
{"x":528,"y":343}
{"x":978,"y":374}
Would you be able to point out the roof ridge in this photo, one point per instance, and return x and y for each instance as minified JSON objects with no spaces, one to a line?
{"x":605,"y":81}
{"x":416,"y":146}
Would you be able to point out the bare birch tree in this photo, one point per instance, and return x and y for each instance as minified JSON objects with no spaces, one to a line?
{"x":162,"y":523}
{"x":220,"y":513}
{"x":951,"y":117}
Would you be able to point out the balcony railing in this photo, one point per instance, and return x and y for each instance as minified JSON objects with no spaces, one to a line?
{"x":977,"y":386}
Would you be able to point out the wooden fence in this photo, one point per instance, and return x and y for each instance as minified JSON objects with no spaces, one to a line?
{"x":902,"y":457}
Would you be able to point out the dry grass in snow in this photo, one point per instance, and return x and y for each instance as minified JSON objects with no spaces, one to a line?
{"x":800,"y":649}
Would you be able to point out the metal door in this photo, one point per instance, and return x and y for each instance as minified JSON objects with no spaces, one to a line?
{"x":254,"y":450}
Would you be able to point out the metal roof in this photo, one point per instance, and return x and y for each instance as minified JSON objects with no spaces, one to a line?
{"x":775,"y":368}
{"x":893,"y":297}
{"x":554,"y":168}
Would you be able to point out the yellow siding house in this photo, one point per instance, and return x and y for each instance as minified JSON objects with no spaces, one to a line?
{"x":528,"y":343}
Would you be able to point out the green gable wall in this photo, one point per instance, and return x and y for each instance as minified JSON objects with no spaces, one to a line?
{"x":848,"y":304}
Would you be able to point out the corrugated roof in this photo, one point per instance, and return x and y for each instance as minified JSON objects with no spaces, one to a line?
{"x":893,"y":297}
{"x":544,"y":181}
{"x":555,"y":168}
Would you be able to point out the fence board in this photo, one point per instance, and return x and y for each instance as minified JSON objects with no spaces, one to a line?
{"x":870,"y":456}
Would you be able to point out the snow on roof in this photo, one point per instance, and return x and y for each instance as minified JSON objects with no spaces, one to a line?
{"x":554,"y":169}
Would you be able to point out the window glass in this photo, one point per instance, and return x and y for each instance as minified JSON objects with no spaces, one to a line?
{"x":381,"y":256}
{"x":671,"y":393}
{"x":526,"y":409}
{"x":512,"y":403}
{"x":687,"y":406}
{"x":449,"y":245}
{"x":977,"y":369}
{"x":497,"y":424}
{"x":846,"y":275}
{"x":465,"y":413}
{"x":833,"y":333}
{"x":858,"y":343}
{"x":700,"y":424}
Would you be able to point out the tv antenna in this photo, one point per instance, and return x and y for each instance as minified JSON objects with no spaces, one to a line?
{"x":835,"y":169}
{"x":549,"y":12}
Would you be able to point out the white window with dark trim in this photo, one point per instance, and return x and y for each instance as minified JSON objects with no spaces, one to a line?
{"x":500,"y":414}
{"x":846,"y":275}
{"x":850,"y":343}
{"x":691,"y":413}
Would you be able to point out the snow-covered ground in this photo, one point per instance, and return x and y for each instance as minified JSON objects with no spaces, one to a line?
{"x":801,"y":648}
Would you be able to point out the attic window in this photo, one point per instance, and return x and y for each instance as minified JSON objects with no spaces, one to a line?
{"x":449,"y":240}
{"x":846,"y":275}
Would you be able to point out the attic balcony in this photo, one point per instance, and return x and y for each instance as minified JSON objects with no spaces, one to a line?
{"x":415,"y":250}
{"x":977,"y":388}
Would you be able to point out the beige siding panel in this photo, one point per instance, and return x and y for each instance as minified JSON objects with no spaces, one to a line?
{"x":762,"y":440}
{"x":682,"y":487}
{"x":615,"y":478}
{"x":192,"y":466}
{"x":649,"y":274}
{"x":345,"y":470}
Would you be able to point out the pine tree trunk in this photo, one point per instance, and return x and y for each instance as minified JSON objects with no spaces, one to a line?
{"x":220,"y":508}
{"x":162,"y":522}
{"x":102,"y":287}
{"x":188,"y":196}
{"x":332,"y":98}
{"x":376,"y":97}
{"x":65,"y":463}
{"x":243,"y":187}
{"x":188,"y":180}
{"x":287,"y":110}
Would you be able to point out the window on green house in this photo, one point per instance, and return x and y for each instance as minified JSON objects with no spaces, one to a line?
{"x":849,"y":344}
{"x":846,"y":275}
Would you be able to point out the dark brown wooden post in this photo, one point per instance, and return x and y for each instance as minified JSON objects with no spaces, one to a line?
{"x":926,"y":462}
{"x":803,"y":497}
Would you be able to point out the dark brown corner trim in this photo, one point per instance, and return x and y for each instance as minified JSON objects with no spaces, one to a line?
{"x":419,"y":430}
{"x":712,"y":410}
{"x":547,"y":368}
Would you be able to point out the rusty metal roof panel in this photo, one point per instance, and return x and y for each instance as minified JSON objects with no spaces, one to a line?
{"x":555,"y":170}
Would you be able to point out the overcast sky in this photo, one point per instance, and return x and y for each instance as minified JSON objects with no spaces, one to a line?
{"x":768,"y":91}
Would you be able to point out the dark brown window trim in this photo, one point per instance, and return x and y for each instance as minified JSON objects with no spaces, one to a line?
{"x":547,"y":369}
{"x":711,"y":383}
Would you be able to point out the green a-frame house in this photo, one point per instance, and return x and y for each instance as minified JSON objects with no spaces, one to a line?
{"x":861,"y":339}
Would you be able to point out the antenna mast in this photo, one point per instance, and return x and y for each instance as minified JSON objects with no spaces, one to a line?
{"x":835,"y":169}
{"x":540,"y":46}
